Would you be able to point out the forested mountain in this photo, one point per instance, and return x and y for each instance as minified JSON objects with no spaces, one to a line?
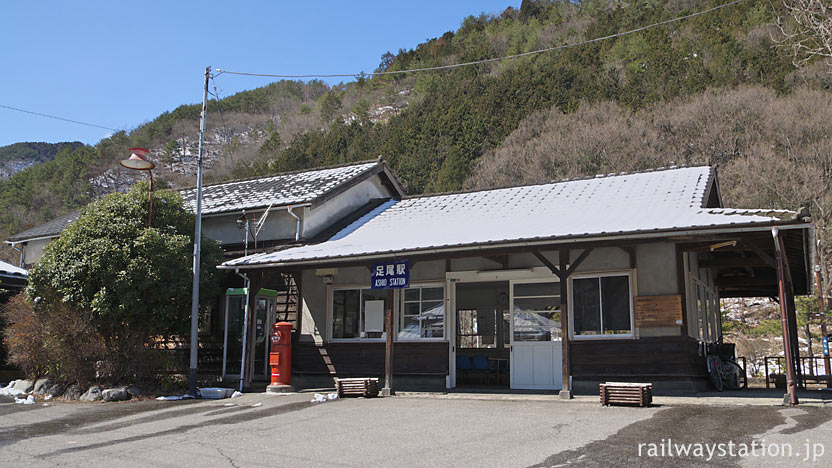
{"x":709,"y":89}
{"x":18,"y":156}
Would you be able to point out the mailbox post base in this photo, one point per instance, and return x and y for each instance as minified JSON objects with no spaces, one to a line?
{"x":280,"y":388}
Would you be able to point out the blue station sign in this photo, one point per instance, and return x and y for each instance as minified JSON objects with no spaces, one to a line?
{"x":391,"y":275}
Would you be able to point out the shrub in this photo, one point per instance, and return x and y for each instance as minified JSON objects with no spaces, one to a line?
{"x":54,"y":340}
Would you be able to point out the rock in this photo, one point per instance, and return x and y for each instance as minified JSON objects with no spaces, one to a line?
{"x":42,"y":385}
{"x":55,"y":390}
{"x":134,"y":391}
{"x":24,"y":386}
{"x":93,"y":394}
{"x":116,"y":394}
{"x":72,"y":393}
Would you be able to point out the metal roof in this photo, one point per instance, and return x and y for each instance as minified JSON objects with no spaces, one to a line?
{"x":7,"y":269}
{"x":289,"y":188}
{"x":278,"y":190}
{"x":667,"y":199}
{"x":49,"y":229}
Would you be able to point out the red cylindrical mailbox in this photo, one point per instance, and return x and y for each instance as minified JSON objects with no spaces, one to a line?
{"x":280,"y":357}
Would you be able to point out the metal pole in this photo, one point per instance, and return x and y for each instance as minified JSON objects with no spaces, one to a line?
{"x":787,"y":345}
{"x":245,"y":330}
{"x":150,"y":198}
{"x":821,"y":309}
{"x":197,"y":246}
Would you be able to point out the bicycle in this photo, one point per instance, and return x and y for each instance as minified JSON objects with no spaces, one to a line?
{"x":724,"y":373}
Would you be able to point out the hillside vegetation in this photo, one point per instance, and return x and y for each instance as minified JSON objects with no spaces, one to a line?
{"x":679,"y":93}
{"x":18,"y":156}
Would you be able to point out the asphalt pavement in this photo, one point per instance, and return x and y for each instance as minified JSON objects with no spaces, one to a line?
{"x":289,"y":430}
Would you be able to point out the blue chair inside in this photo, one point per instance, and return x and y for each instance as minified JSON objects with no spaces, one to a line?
{"x":480,"y":362}
{"x":463,"y":362}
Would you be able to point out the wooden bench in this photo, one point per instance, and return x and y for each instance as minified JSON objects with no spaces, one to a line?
{"x":625,"y":393}
{"x":366,"y":387}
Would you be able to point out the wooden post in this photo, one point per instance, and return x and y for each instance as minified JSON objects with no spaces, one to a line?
{"x":784,"y":320}
{"x":388,"y":349}
{"x":563,"y":260}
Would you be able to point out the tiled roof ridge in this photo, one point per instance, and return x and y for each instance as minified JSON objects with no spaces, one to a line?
{"x":281,"y":174}
{"x":40,"y":230}
{"x":560,"y":181}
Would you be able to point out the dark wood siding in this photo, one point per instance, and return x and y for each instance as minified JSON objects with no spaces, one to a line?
{"x":657,"y":357}
{"x":367,"y":359}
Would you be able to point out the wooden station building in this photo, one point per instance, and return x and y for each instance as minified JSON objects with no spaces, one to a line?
{"x":550,"y":287}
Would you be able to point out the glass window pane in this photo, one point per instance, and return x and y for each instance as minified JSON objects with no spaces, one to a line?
{"x":433,"y":294}
{"x":536,"y":326}
{"x":536,"y":289}
{"x":537,"y":303}
{"x":345,"y":312}
{"x":615,"y":297}
{"x":587,"y":303}
{"x":411,"y":308}
{"x":433,"y":328}
{"x":411,"y":294}
{"x":410,"y":328}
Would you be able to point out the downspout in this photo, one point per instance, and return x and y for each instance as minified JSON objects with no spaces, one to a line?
{"x":245,"y":328}
{"x":13,"y":245}
{"x":297,"y":224}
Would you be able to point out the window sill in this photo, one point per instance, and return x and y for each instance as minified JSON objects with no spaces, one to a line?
{"x":602,"y":337}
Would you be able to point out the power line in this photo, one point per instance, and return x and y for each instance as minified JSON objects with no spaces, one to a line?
{"x":59,"y":118}
{"x":495,"y":59}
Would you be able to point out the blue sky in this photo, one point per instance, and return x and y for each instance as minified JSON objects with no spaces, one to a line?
{"x":119,"y":64}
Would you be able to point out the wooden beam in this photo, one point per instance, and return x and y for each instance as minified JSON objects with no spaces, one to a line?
{"x":548,"y":264}
{"x":388,"y":348}
{"x":784,"y":320}
{"x":566,"y":365}
{"x":577,"y":262}
{"x":761,"y":254}
{"x":735,"y":262}
{"x":631,"y":251}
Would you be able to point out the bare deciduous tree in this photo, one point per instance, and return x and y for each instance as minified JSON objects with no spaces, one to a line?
{"x":808,"y":30}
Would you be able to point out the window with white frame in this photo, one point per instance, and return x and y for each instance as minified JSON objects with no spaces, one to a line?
{"x":358,"y":313}
{"x":422,"y":313}
{"x":602,"y":306}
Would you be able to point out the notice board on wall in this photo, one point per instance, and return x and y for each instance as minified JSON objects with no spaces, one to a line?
{"x":658,"y":311}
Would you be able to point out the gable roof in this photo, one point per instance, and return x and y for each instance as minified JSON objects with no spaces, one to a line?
{"x":288,"y":188}
{"x":662,"y":200}
{"x":292,"y":188}
{"x":48,"y":229}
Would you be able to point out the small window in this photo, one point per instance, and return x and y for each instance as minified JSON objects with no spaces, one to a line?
{"x":358,"y":313}
{"x":602,"y":306}
{"x":536,"y":311}
{"x":422,"y":314}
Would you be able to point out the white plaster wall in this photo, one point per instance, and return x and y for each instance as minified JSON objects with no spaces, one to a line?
{"x":313,"y":307}
{"x":322,"y":216}
{"x":278,"y":225}
{"x":33,"y":250}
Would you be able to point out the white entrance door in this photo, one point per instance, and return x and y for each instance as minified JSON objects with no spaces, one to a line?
{"x":536,"y":360}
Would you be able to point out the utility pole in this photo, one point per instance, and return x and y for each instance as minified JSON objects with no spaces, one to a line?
{"x":197,"y":242}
